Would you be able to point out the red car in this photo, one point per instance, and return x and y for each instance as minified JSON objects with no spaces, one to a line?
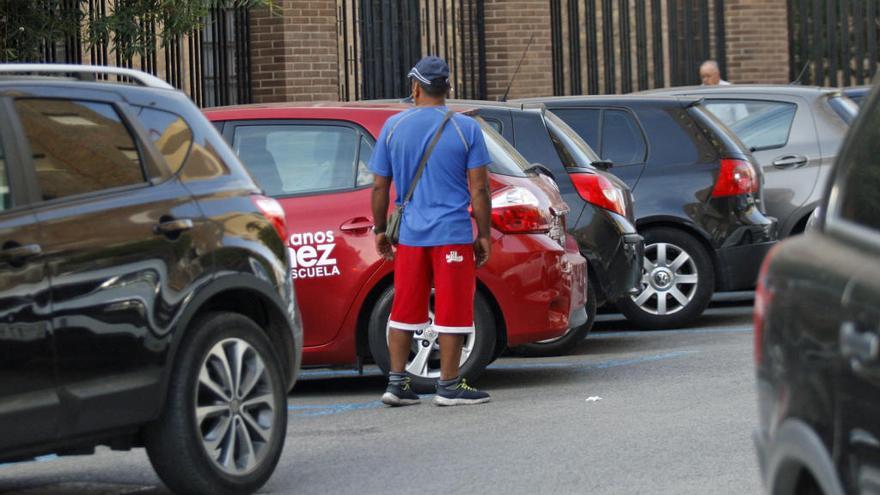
{"x":313,"y":160}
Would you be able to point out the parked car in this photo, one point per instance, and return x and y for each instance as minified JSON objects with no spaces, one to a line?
{"x":817,"y":336}
{"x":697,"y":197}
{"x":313,"y":159}
{"x":793,"y":131}
{"x":602,"y":217}
{"x":858,"y":94}
{"x":144,"y":289}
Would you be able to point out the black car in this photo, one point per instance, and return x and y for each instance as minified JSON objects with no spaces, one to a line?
{"x":817,"y":336}
{"x":698,"y":199}
{"x":602,"y":218}
{"x":145,"y":296}
{"x":794,"y":133}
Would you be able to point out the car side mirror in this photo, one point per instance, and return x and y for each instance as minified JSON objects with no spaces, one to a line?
{"x":603,"y":164}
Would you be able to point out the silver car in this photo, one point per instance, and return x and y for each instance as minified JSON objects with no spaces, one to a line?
{"x":793,"y":131}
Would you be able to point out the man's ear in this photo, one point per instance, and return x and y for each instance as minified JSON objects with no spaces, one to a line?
{"x":416,"y":91}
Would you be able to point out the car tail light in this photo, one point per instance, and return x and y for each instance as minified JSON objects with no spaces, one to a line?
{"x":517,"y":211}
{"x":598,"y":190}
{"x":763,"y":298}
{"x":273,"y":212}
{"x":736,"y":177}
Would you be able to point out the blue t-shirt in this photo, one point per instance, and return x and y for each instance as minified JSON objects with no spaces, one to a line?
{"x":437,"y":214}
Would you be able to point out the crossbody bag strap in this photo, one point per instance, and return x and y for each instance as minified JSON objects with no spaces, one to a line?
{"x":412,"y":186}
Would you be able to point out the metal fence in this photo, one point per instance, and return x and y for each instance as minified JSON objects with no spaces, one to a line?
{"x":380,"y":40}
{"x":833,"y":42}
{"x":618,"y":46}
{"x":210,"y":64}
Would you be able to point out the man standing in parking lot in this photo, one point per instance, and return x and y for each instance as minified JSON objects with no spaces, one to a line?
{"x":710,"y":74}
{"x":436,"y":242}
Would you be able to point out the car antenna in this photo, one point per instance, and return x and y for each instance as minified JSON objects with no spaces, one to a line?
{"x":510,"y":83}
{"x":797,"y":81}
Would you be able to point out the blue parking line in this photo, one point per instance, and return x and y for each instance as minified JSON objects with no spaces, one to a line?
{"x":693,"y":331}
{"x":328,"y":409}
{"x":42,"y":458}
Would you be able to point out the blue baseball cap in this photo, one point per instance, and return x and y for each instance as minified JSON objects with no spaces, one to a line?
{"x":431,"y":70}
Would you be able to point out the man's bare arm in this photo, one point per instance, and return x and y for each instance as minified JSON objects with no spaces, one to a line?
{"x":478,"y":183}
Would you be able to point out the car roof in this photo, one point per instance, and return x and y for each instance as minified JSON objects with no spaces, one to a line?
{"x":752,"y":89}
{"x":610,"y":100}
{"x":371,"y":115}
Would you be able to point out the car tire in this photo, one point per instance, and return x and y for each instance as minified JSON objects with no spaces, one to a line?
{"x":684,"y":284}
{"x":178,"y":443}
{"x":564,"y":344}
{"x":481,"y":344}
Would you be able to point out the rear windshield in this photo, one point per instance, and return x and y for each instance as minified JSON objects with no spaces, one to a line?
{"x":722,"y":139}
{"x":845,"y":108}
{"x":572,"y":149}
{"x":505,"y":159}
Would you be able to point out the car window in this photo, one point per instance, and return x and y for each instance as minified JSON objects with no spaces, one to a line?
{"x":572,"y":150}
{"x":858,"y":201}
{"x":170,"y":133}
{"x":496,"y":124}
{"x":365,"y":151}
{"x":758,"y":124}
{"x":78,"y":146}
{"x":298,"y":158}
{"x":622,"y":139}
{"x":584,"y":121}
{"x":505,"y":159}
{"x":844,"y":107}
{"x":5,"y":195}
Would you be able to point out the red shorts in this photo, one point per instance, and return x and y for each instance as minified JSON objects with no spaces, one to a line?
{"x":452,"y":270}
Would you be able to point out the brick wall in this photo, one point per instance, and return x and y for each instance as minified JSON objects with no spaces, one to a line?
{"x":294,"y":51}
{"x":757,"y":41}
{"x":509,"y":25}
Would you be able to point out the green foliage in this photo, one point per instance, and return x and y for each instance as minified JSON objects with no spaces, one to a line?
{"x":130,"y":27}
{"x":26,"y":26}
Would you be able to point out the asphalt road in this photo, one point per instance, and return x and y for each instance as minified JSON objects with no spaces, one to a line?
{"x":674,"y":415}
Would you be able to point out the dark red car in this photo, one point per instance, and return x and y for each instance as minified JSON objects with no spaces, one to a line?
{"x":313,"y":160}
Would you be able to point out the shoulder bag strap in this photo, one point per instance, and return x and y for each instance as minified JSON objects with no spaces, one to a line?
{"x":412,"y":186}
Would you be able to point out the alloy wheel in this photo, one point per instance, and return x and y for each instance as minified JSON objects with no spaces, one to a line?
{"x":235,"y":407}
{"x":424,"y":358}
{"x":669,"y":279}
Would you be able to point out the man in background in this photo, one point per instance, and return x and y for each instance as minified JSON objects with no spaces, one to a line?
{"x":710,"y":74}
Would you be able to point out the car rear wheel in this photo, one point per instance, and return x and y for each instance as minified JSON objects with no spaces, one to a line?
{"x":225,"y":417}
{"x":423,"y":364}
{"x":568,"y":341}
{"x":677,"y":281}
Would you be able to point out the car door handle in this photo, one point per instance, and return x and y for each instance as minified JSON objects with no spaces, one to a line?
{"x":790,"y":161}
{"x":16,"y":252}
{"x":169,"y":226}
{"x":356,"y":224}
{"x":861,"y":346}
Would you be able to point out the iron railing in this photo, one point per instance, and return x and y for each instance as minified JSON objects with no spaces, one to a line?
{"x":380,"y":40}
{"x":642,"y":44}
{"x":833,"y":42}
{"x":210,"y":64}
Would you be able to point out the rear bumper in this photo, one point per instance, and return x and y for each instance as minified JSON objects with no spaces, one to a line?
{"x":740,"y":264}
{"x":614,"y":249}
{"x":624,"y":272}
{"x":537,"y":284}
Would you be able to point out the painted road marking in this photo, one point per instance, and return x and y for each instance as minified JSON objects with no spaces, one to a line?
{"x":328,"y":409}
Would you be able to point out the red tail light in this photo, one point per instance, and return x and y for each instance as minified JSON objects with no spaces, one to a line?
{"x":598,"y":190}
{"x":273,"y":212}
{"x":517,"y":211}
{"x":763,"y":298}
{"x":736,"y":177}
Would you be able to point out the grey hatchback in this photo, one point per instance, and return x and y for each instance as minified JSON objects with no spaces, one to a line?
{"x":794,"y":132}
